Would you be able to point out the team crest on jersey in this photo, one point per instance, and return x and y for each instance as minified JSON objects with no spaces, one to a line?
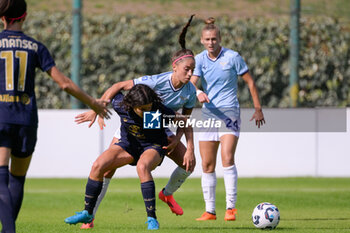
{"x":223,"y":63}
{"x":135,"y":131}
{"x":183,"y":97}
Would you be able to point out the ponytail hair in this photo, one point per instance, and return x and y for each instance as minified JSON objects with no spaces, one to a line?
{"x":182,"y":41}
{"x":182,"y":37}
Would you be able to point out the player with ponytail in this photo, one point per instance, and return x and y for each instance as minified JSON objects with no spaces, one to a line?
{"x":177,"y":92}
{"x":143,"y":148}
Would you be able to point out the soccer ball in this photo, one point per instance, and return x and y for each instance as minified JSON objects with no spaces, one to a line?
{"x":266,"y":216}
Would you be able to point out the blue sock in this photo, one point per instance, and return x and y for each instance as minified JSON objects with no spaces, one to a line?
{"x":16,"y":185}
{"x":149,"y":197}
{"x":6,"y":212}
{"x":92,"y":190}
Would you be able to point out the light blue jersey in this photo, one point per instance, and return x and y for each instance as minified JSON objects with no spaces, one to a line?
{"x":219,"y":77}
{"x":174,"y":99}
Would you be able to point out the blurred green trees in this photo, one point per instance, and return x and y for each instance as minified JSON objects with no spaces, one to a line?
{"x":126,"y":47}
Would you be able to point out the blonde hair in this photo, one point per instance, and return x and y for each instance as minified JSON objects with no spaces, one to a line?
{"x":209,"y":25}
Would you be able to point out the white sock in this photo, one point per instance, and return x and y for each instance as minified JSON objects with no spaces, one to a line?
{"x":230,"y":178}
{"x":177,"y":178}
{"x":209,"y":189}
{"x":102,"y":194}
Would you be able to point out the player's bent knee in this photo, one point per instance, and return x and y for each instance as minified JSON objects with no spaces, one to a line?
{"x":142,"y":169}
{"x":98,"y":168}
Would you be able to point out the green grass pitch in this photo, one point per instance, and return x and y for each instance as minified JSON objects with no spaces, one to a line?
{"x":305,"y":204}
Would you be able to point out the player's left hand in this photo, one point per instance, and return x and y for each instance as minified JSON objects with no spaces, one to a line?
{"x":258,"y":116}
{"x":189,"y":160}
{"x":86,"y":116}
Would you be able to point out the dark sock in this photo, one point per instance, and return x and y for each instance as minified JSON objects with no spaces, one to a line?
{"x":149,"y":197}
{"x":93,"y":189}
{"x":6,"y":212}
{"x":16,"y":185}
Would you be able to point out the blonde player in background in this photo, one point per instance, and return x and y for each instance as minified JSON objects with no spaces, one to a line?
{"x":218,"y":68}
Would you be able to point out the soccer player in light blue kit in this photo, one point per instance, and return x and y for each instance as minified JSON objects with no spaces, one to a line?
{"x":218,"y":68}
{"x":177,"y":92}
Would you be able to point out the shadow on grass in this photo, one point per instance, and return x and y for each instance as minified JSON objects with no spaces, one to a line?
{"x":316,"y":219}
{"x":216,"y":229}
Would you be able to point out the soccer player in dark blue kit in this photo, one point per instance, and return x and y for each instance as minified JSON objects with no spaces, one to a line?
{"x":137,"y":146}
{"x":20,"y":55}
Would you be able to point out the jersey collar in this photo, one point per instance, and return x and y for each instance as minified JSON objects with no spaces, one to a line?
{"x":12,"y":31}
{"x":171,"y":83}
{"x":222,"y":49}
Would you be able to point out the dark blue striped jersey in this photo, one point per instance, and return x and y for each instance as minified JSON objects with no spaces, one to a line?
{"x":20,"y":55}
{"x":132,"y":125}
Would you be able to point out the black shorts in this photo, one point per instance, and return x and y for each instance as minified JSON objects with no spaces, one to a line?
{"x":20,"y":139}
{"x":136,"y":150}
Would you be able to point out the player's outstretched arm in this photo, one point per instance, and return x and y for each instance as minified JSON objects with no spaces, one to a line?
{"x":107,"y":96}
{"x":201,"y":96}
{"x":258,"y":115}
{"x":66,"y":84}
{"x":117,"y":87}
{"x":110,"y":93}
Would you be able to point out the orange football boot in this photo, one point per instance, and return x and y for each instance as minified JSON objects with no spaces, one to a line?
{"x":230,"y":214}
{"x":206,"y":216}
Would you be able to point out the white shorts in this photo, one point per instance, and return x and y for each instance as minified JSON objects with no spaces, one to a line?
{"x":230,"y":124}
{"x":215,"y":134}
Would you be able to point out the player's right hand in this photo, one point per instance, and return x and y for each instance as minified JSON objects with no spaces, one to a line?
{"x":86,"y":116}
{"x":100,"y":107}
{"x":203,"y":98}
{"x":258,"y":116}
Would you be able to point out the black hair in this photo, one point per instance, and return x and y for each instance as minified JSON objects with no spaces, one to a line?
{"x":4,"y":5}
{"x":182,"y":42}
{"x":138,"y":95}
{"x":12,"y":9}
